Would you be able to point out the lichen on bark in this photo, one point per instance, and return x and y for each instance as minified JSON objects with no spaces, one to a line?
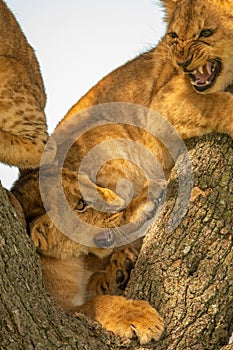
{"x":188,"y":273}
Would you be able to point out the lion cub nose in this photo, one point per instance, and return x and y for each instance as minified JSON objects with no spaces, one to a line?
{"x":104,"y":239}
{"x":184,"y":64}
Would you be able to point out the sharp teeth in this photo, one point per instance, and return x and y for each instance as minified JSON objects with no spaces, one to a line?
{"x":207,"y":82}
{"x":201,"y":70}
{"x":195,"y":72}
{"x":209,"y":68}
{"x":213,"y":67}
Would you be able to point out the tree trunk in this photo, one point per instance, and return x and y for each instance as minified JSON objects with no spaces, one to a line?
{"x":28,"y":318}
{"x":186,"y":273}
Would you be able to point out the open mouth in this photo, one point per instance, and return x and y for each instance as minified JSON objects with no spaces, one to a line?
{"x":205,"y":76}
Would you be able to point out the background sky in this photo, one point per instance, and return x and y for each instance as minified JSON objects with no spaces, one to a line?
{"x":77,"y":42}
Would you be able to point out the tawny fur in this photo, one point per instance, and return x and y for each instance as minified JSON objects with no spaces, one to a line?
{"x":154,"y":79}
{"x":199,"y":32}
{"x":75,"y":274}
{"x":23,"y":130}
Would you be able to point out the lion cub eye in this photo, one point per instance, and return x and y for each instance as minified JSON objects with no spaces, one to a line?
{"x":205,"y":33}
{"x":173,"y":35}
{"x":81,"y":205}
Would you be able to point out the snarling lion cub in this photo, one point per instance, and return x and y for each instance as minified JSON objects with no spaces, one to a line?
{"x":185,"y":79}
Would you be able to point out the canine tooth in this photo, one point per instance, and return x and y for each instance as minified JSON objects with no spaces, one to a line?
{"x":213,"y":67}
{"x":195,"y":71}
{"x":209,"y":68}
{"x":207,"y":82}
{"x":201,"y":70}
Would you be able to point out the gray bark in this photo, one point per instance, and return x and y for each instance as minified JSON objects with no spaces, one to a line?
{"x":29,"y":320}
{"x":186,"y":274}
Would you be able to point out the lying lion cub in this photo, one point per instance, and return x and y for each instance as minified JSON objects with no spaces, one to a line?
{"x":78,"y":276}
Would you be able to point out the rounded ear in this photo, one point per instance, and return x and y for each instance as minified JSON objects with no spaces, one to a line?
{"x":102,"y":199}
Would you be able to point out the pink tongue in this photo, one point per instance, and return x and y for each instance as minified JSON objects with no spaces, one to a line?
{"x":202,"y":78}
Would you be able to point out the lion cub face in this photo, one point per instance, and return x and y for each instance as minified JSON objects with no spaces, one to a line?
{"x":200,"y":40}
{"x":83,"y":217}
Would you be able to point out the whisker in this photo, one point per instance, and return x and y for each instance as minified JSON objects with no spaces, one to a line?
{"x":122,"y":234}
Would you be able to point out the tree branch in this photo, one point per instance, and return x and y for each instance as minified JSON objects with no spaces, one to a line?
{"x":187,"y":273}
{"x":29,"y":320}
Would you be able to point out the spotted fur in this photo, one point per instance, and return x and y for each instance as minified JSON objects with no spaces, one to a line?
{"x":23,"y":130}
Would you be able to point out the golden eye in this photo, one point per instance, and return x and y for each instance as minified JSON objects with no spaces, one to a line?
{"x":81,"y":205}
{"x":205,"y":33}
{"x":173,"y":35}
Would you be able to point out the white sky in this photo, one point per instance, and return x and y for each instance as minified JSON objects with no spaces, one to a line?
{"x":77,"y":42}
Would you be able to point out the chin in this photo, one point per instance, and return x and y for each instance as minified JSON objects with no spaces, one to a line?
{"x":211,"y":90}
{"x":101,"y":252}
{"x":218,"y":86}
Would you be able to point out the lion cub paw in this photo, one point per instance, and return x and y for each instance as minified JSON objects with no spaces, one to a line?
{"x":139,"y":319}
{"x":113,"y":280}
{"x":38,"y":232}
{"x":129,"y":318}
{"x":119,"y":268}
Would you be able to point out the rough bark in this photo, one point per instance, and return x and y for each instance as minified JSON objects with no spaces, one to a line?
{"x":28,"y":318}
{"x":187,"y":273}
